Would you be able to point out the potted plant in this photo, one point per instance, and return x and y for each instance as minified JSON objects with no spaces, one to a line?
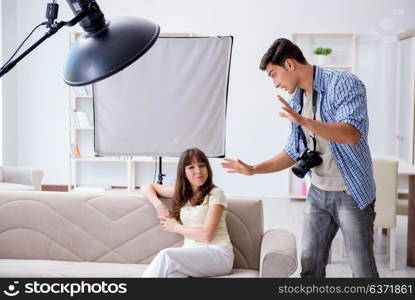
{"x":322,"y":55}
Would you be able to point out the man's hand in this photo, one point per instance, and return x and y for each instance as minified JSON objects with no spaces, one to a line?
{"x":290,"y":113}
{"x":335,"y":132}
{"x":237,"y":166}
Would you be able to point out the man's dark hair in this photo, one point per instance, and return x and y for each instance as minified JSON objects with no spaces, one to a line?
{"x":279,"y":51}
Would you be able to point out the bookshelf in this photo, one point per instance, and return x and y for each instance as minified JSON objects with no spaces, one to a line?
{"x":343,"y":46}
{"x":342,"y":57}
{"x":81,"y":130}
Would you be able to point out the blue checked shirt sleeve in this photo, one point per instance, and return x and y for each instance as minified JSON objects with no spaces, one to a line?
{"x":290,"y":148}
{"x":350,"y":96}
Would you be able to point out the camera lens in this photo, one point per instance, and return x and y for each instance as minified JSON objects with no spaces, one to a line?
{"x":308,"y":159}
{"x":299,"y":171}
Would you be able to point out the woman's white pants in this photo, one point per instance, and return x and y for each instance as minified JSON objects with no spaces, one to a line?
{"x":197,"y":261}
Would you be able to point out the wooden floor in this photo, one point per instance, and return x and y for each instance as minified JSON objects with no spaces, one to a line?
{"x":288,"y":214}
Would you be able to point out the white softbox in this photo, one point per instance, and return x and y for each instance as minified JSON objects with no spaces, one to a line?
{"x":171,"y":99}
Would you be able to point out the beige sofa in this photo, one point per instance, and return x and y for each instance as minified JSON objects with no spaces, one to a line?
{"x":56,"y":234}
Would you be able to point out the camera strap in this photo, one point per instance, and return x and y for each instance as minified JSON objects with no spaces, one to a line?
{"x":301,"y":135}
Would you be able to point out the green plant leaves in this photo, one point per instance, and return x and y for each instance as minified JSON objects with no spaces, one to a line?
{"x":322,"y":51}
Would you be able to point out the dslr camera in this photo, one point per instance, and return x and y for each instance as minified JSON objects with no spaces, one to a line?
{"x":308,"y":159}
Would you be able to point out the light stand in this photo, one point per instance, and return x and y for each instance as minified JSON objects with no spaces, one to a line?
{"x":161,"y":175}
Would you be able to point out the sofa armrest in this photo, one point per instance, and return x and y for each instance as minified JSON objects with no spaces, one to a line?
{"x":23,"y":175}
{"x":278,"y":254}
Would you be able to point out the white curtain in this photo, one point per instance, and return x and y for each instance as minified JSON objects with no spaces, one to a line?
{"x":171,"y":99}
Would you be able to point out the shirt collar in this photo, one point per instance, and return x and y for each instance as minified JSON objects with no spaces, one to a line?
{"x":318,"y":85}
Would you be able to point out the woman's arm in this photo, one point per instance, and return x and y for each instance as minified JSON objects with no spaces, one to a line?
{"x":152,"y":191}
{"x":204,"y":234}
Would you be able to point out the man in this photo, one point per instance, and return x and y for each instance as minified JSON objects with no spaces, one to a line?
{"x":342,"y":193}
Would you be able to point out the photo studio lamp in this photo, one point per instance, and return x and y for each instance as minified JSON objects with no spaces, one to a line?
{"x":105,"y":48}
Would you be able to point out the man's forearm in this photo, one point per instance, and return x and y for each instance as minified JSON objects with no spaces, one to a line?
{"x":279,"y":162}
{"x":335,"y":132}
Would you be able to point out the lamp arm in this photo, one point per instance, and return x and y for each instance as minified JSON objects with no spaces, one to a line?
{"x":53,"y":29}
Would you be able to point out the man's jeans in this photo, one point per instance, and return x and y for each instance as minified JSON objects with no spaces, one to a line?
{"x":324,"y":214}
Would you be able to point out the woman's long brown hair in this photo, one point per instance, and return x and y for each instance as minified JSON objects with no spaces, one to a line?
{"x":183,"y":191}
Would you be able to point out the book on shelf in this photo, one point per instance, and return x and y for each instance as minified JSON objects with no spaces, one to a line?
{"x":81,"y":120}
{"x":75,"y":151}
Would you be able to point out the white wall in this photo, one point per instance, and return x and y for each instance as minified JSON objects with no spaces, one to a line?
{"x":254,"y":130}
{"x":1,"y":85}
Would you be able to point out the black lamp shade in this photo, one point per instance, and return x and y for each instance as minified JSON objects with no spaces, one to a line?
{"x":98,"y":55}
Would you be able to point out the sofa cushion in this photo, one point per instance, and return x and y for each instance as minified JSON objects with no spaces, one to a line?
{"x":5,"y":186}
{"x":81,"y":227}
{"x":51,"y":268}
{"x":18,"y":268}
{"x":1,"y":174}
{"x":241,"y":273}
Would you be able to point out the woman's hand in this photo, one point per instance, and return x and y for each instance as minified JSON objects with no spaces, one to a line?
{"x":169,"y":224}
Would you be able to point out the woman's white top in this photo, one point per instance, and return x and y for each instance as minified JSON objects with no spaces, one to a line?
{"x":194,"y":216}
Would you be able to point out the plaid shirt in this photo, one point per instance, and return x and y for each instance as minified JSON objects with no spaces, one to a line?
{"x":342,"y":98}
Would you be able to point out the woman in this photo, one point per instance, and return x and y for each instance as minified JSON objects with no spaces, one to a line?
{"x":198,"y":213}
